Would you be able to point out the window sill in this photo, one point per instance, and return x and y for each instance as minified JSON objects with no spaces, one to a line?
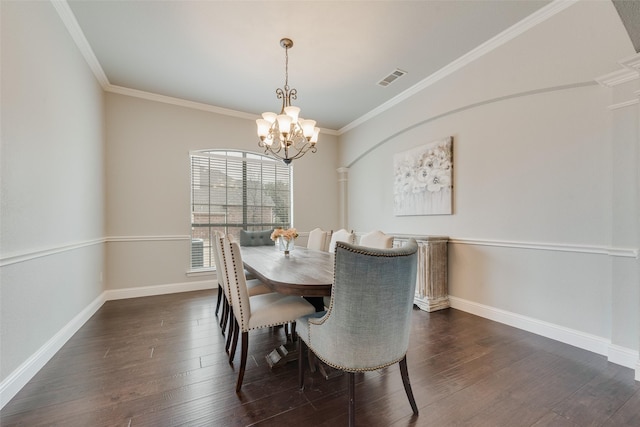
{"x":201,"y":272}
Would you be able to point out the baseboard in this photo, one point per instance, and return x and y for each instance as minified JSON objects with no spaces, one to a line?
{"x":11,"y":385}
{"x":615,"y":354}
{"x":147,"y":291}
{"x":623,"y":356}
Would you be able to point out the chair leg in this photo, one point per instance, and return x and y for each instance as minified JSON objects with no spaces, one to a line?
{"x":407,"y":385}
{"x":230,"y":332}
{"x":293,"y":331}
{"x":219,"y":299}
{"x":225,"y":315}
{"x":243,"y":360}
{"x":301,"y":347}
{"x":234,"y":343}
{"x":352,"y":399}
{"x":311,"y":358}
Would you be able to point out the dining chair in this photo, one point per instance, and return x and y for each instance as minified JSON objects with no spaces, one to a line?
{"x":254,"y":286}
{"x":341,"y":235}
{"x":368,"y":321}
{"x":377,"y":239}
{"x":317,"y":239}
{"x":223,"y":294}
{"x":258,"y":311}
{"x":219,"y":298}
{"x":256,"y":238}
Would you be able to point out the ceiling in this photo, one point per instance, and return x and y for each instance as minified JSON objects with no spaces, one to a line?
{"x":227,"y":53}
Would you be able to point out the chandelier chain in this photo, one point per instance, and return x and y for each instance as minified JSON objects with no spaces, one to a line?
{"x":286,"y":69}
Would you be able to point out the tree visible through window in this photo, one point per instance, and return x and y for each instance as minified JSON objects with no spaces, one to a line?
{"x":234,"y":190}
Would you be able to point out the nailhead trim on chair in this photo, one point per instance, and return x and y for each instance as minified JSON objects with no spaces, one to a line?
{"x":242,"y":322}
{"x":359,"y":250}
{"x":235,"y":272}
{"x":365,"y":251}
{"x":342,"y":368}
{"x":225,"y":272}
{"x":390,"y":252}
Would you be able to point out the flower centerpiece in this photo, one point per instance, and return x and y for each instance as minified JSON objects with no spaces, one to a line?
{"x":285,"y":239}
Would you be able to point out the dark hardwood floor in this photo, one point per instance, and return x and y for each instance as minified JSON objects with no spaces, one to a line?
{"x":160,"y":361}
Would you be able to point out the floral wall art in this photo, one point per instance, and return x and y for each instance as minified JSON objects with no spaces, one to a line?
{"x":423,"y":179}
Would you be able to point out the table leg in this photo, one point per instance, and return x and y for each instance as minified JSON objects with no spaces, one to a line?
{"x":280,"y":356}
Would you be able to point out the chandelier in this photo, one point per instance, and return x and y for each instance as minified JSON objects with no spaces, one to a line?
{"x":287,"y":136}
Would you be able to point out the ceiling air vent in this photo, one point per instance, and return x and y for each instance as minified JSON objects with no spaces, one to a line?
{"x":391,"y":77}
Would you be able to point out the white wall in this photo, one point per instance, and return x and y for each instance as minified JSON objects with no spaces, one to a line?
{"x":148,"y":182}
{"x":95,"y":190}
{"x":52,"y":187}
{"x":545,"y":194}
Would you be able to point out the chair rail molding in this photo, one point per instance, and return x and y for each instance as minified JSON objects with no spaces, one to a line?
{"x":557,"y":247}
{"x":48,"y":251}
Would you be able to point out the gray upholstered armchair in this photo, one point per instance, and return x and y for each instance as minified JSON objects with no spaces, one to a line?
{"x":369,"y":318}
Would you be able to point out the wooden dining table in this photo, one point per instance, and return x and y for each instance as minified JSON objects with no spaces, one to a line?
{"x":303,"y":272}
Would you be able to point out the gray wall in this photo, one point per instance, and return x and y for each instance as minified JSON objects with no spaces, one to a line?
{"x":148,"y":181}
{"x":545,"y":219}
{"x":94,"y":186}
{"x":52,"y":183}
{"x":95,"y":190}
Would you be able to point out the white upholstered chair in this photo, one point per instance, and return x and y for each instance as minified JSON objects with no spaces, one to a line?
{"x":317,"y":240}
{"x":369,"y":319}
{"x":259,"y":311}
{"x":223,"y":294}
{"x":341,"y":235}
{"x":254,"y":287}
{"x":377,"y":239}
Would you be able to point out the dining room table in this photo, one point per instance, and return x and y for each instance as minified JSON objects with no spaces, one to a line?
{"x":303,"y":272}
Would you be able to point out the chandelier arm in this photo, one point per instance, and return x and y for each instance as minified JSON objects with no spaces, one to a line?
{"x":281,"y":94}
{"x":292,"y":143}
{"x":293,"y":94}
{"x":301,"y":153}
{"x":286,"y":158}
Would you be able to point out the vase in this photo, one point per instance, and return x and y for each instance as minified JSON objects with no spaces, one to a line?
{"x":286,"y":245}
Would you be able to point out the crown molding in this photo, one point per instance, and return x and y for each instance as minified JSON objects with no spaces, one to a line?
{"x":69,"y":20}
{"x":178,"y":101}
{"x":624,"y":104}
{"x":546,"y":12}
{"x":507,"y":35}
{"x":616,"y":78}
{"x":632,"y":62}
{"x":629,"y":72}
{"x":189,"y":104}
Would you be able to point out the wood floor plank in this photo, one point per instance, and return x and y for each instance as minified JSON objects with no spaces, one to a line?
{"x":160,"y":361}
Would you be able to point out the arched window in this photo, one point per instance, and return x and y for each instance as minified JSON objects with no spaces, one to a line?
{"x":234,"y":190}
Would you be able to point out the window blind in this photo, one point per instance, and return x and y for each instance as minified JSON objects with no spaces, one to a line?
{"x":234,"y":190}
